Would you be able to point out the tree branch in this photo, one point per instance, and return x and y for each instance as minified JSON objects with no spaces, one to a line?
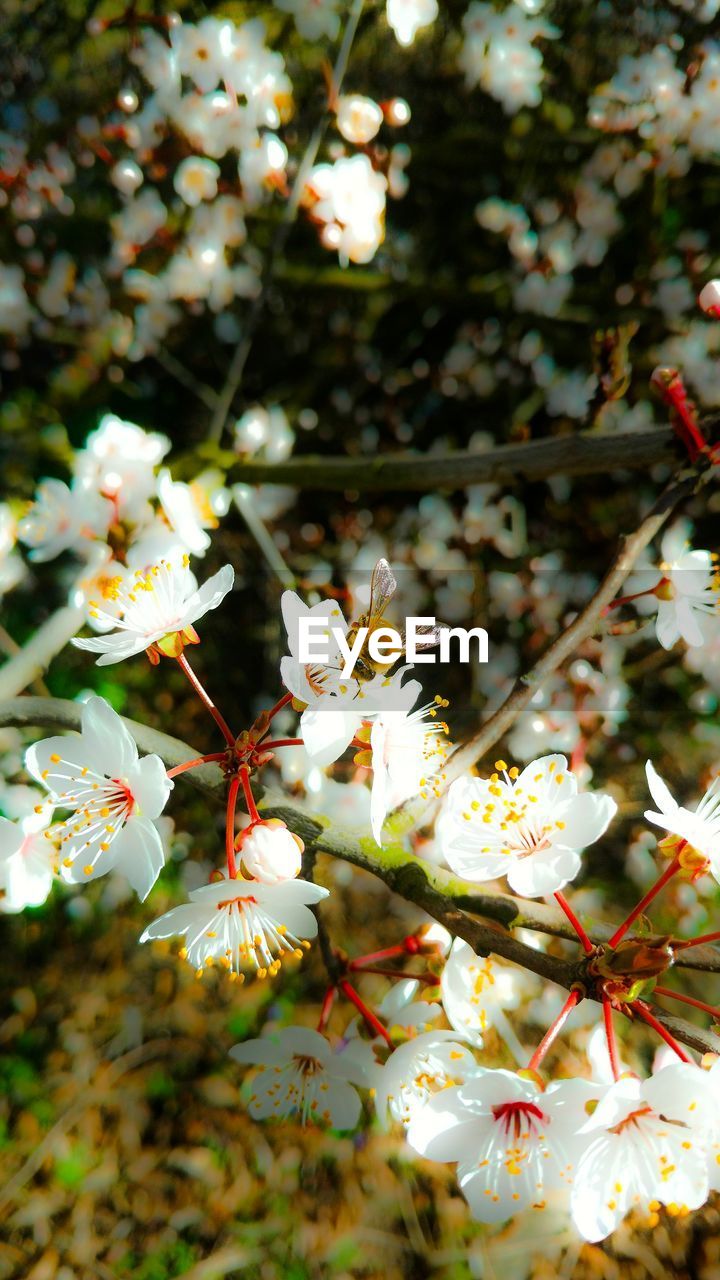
{"x":483,"y":919}
{"x":570,"y":455}
{"x":582,"y":627}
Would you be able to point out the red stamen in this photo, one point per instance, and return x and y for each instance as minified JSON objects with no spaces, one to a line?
{"x":515,"y":1113}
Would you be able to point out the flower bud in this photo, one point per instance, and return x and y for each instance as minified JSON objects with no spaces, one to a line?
{"x":270,"y":852}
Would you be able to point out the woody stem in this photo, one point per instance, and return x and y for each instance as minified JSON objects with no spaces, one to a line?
{"x":373,"y":1022}
{"x":647,"y":1016}
{"x":553,"y":1030}
{"x":611,"y":1038}
{"x":230,"y":827}
{"x":580,"y":931}
{"x":644,"y":902}
{"x":204,"y":696}
{"x":244,"y":778}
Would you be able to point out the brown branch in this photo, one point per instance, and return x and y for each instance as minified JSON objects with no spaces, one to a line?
{"x":582,"y":627}
{"x":484,"y":919}
{"x":570,"y":455}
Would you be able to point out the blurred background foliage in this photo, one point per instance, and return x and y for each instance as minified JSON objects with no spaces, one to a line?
{"x":125,"y":1146}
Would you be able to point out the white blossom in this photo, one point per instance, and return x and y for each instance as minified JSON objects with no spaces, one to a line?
{"x":698,"y":828}
{"x":63,"y":519}
{"x":242,"y":924}
{"x":301,"y":1076}
{"x":113,"y":795}
{"x":528,"y":827}
{"x":407,"y":17}
{"x":513,"y":1142}
{"x":639,"y":1148}
{"x":28,"y":860}
{"x":157,"y":607}
{"x":418,"y":1069}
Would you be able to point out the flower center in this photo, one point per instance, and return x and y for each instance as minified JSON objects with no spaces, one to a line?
{"x":521,"y":1117}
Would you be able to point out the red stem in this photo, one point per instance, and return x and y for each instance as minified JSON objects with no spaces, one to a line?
{"x":327,"y":1005}
{"x":282,"y":702}
{"x":667,"y":874}
{"x":696,"y":1004}
{"x":374,"y":1024}
{"x":683,"y":944}
{"x":215,"y":757}
{"x":429,"y":978}
{"x":250,"y":804}
{"x":652,"y":1021}
{"x":388,"y":953}
{"x":553,"y":1030}
{"x":636,"y":595}
{"x":611,"y":1038}
{"x":280,"y":742}
{"x":582,"y":935}
{"x":230,"y":827}
{"x":202,"y":693}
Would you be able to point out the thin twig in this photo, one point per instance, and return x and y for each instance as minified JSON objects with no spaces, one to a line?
{"x":243,"y":348}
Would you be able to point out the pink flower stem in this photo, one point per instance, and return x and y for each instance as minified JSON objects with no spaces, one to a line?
{"x":553,"y":1030}
{"x":611,"y":1038}
{"x":647,"y":1016}
{"x":696,"y":1004}
{"x":214,"y":758}
{"x":582,"y":935}
{"x":244,"y":778}
{"x":327,"y":1005}
{"x":373,"y":1022}
{"x":660,"y":883}
{"x":204,"y":696}
{"x":230,"y":827}
{"x":270,"y":744}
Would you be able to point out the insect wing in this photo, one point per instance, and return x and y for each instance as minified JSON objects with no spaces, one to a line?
{"x":382,"y":589}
